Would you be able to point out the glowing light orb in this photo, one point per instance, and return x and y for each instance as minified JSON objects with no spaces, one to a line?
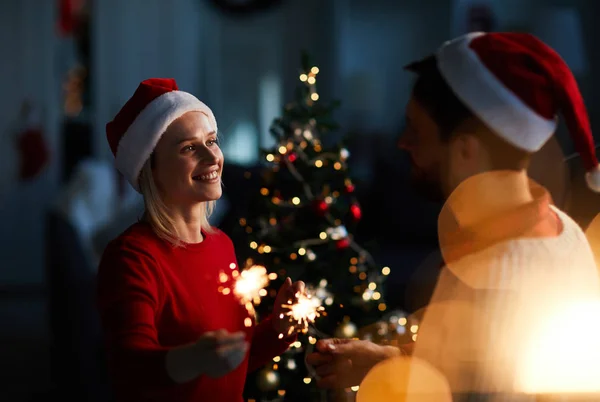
{"x":562,"y":355}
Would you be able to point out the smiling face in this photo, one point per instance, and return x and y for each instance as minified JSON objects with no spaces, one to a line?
{"x":188,"y":162}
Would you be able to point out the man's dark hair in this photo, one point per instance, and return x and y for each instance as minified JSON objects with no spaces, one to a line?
{"x":441,"y":103}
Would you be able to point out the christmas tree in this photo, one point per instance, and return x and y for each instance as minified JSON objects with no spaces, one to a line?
{"x":303,"y":217}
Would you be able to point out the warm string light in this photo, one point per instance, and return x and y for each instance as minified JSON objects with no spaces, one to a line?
{"x":297,"y":202}
{"x":300,"y":247}
{"x":310,"y":78}
{"x":342,"y":243}
{"x":322,"y":158}
{"x":322,"y":206}
{"x":395,"y":328}
{"x":295,"y":151}
{"x":371,"y":292}
{"x":323,"y":294}
{"x":324,"y":202}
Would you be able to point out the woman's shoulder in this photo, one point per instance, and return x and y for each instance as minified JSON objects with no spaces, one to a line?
{"x":134,"y":252}
{"x":129,"y":263}
{"x":141,"y":238}
{"x":217,"y":235}
{"x":137,"y":237}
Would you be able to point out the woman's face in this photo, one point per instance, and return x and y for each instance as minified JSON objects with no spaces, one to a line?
{"x":188,"y":161}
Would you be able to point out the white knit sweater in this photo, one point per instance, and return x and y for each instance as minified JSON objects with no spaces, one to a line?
{"x":480,"y":324}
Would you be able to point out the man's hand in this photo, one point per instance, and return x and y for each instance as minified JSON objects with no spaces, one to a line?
{"x":287,"y":291}
{"x":343,"y":363}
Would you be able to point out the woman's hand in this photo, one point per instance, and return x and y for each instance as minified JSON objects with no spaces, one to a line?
{"x":221,"y":352}
{"x":215,"y":354}
{"x":287,"y":291}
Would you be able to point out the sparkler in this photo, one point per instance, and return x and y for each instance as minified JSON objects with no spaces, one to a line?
{"x":248,"y":286}
{"x":304,"y":312}
{"x":251,"y":283}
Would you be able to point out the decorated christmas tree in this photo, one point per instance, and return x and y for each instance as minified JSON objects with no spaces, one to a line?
{"x":303,"y":218}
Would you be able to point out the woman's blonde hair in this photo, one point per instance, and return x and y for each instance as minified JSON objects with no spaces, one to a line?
{"x":157,"y":212}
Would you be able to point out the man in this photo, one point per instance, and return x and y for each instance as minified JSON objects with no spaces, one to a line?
{"x":480,"y":107}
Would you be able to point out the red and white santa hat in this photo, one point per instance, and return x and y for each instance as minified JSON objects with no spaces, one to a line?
{"x":137,"y":128}
{"x":517,"y":85}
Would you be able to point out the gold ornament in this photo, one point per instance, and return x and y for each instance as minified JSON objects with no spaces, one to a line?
{"x":268,"y":380}
{"x":346,"y":329}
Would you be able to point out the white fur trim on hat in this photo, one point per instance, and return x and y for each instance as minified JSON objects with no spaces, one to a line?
{"x":487,"y":97}
{"x":143,"y":134}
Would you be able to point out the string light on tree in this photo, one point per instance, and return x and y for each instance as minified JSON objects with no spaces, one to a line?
{"x":268,"y":379}
{"x":347,"y":329}
{"x":322,"y":293}
{"x":337,"y":233}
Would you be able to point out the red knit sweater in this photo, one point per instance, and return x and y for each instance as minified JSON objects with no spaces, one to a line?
{"x":153,"y":296}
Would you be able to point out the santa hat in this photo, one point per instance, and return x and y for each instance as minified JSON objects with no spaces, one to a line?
{"x":517,"y":85}
{"x":137,"y":128}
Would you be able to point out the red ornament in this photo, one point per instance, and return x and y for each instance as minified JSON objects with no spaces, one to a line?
{"x":355,"y":211}
{"x":292,"y":157}
{"x":349,"y":188}
{"x":321,"y":207}
{"x":343,"y":243}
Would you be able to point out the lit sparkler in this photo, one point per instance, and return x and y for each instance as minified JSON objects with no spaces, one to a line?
{"x":251,"y":283}
{"x":304,"y":312}
{"x":248,"y":286}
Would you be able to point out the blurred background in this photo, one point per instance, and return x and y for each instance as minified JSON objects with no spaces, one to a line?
{"x":68,"y":65}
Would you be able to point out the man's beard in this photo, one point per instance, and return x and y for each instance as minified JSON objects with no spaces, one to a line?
{"x":427,"y":184}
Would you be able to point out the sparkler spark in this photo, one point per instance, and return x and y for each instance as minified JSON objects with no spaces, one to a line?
{"x":248,"y":286}
{"x":304,"y":312}
{"x":250,"y":283}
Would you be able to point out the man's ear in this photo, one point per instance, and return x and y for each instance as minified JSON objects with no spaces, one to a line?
{"x":472,"y":147}
{"x":467,"y":147}
{"x":469,"y":143}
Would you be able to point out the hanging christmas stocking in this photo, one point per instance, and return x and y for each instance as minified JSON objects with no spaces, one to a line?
{"x":32,"y":148}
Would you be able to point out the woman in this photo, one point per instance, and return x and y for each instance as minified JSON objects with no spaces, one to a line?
{"x":171,"y":335}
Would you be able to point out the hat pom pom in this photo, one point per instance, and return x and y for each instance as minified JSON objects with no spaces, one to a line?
{"x":593,"y":179}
